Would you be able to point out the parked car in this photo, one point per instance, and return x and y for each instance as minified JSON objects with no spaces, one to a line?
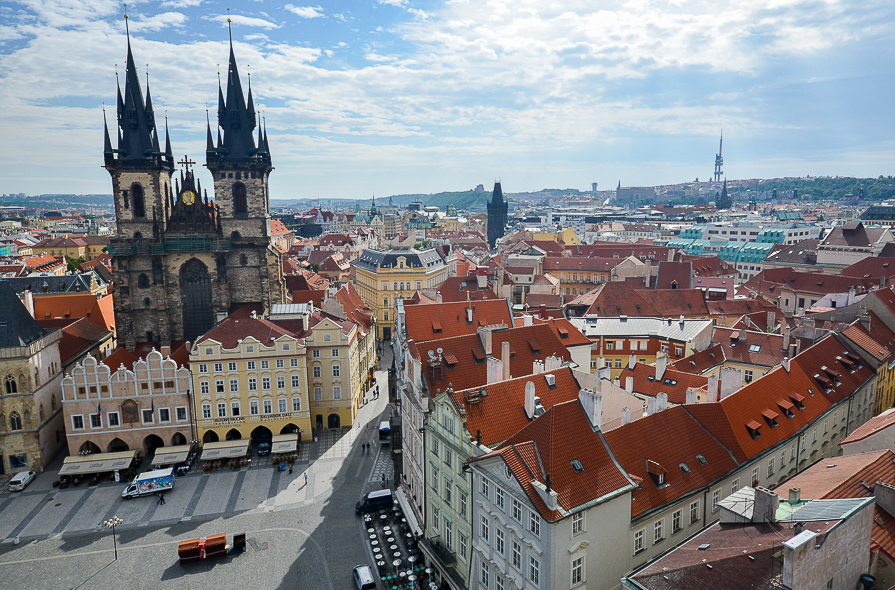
{"x":21,"y":480}
{"x":363,"y":578}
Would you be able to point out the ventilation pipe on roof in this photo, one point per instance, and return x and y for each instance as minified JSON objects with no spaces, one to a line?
{"x":731,"y":381}
{"x":772,"y":321}
{"x":629,"y":384}
{"x":626,"y":416}
{"x":681,"y":320}
{"x":505,"y":358}
{"x":661,"y":365}
{"x":787,"y":333}
{"x":543,"y":311}
{"x":530,"y":400}
{"x":741,"y":337}
{"x":795,"y":495}
{"x":592,"y":404}
{"x":713,"y":389}
{"x":765,"y":507}
{"x":661,"y":401}
{"x":785,"y":364}
{"x":865,"y":321}
{"x":650,"y":406}
{"x":438,"y":297}
{"x":537,"y":367}
{"x":671,"y":255}
{"x":691,"y":395}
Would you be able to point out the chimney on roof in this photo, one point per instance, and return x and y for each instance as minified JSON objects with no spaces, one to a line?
{"x":537,"y":367}
{"x":629,"y":384}
{"x":661,"y":365}
{"x":527,"y":320}
{"x":785,"y":363}
{"x":795,"y":495}
{"x":765,"y":507}
{"x":632,"y":361}
{"x":787,"y":333}
{"x":681,"y":320}
{"x":731,"y":381}
{"x":254,"y":315}
{"x":741,"y":337}
{"x":661,"y":401}
{"x":691,"y":395}
{"x":650,"y":406}
{"x":772,"y":321}
{"x":604,"y":373}
{"x":438,"y":297}
{"x":552,"y":362}
{"x":485,"y":337}
{"x":671,"y":255}
{"x":543,"y":311}
{"x":505,"y":358}
{"x":481,"y":280}
{"x":592,"y":404}
{"x":712,"y":395}
{"x":468,"y":315}
{"x":865,"y":321}
{"x":530,"y":400}
{"x":626,"y":416}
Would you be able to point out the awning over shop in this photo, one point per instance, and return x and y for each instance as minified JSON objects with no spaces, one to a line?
{"x":409,"y":514}
{"x":97,"y":463}
{"x":284,"y":443}
{"x":225,"y":449}
{"x":171,"y":455}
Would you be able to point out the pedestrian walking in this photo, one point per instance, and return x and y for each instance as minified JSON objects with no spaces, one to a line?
{"x":306,"y":478}
{"x":161,"y":498}
{"x":290,"y":469}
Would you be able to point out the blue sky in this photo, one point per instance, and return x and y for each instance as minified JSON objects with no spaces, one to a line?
{"x":407,"y":96}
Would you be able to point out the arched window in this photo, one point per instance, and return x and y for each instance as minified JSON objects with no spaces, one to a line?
{"x":394,"y":286}
{"x":42,"y":417}
{"x":36,"y":378}
{"x":235,"y":235}
{"x":243,"y":259}
{"x":11,"y":386}
{"x":144,"y":281}
{"x":15,"y":421}
{"x":138,"y":235}
{"x":239,"y":198}
{"x":139,"y":202}
{"x":53,"y":403}
{"x":147,"y":302}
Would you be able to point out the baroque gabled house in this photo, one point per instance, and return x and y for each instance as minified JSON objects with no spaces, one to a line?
{"x":180,"y":261}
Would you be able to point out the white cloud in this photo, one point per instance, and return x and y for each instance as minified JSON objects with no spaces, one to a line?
{"x":181,"y":3}
{"x":256,"y":37}
{"x":398,"y":3}
{"x":305,"y":11}
{"x":244,"y":21}
{"x":158,"y":22}
{"x":329,"y":52}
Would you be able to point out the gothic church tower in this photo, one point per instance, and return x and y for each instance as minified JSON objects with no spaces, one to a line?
{"x":180,"y":261}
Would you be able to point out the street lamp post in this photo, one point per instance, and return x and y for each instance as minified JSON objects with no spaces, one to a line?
{"x":111,"y":523}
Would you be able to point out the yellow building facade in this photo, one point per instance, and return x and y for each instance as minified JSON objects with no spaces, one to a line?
{"x":336,"y":378}
{"x":250,"y":381}
{"x":383,"y":276}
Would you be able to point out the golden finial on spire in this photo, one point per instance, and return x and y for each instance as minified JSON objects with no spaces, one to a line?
{"x":126,"y":27}
{"x":229,"y":28}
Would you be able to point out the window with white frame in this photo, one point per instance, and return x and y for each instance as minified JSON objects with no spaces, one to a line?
{"x":435,"y":446}
{"x":335,"y":352}
{"x":253,"y":384}
{"x":434,"y":478}
{"x":534,"y":523}
{"x":337,"y":392}
{"x":694,"y":511}
{"x":265,"y":383}
{"x":447,"y":491}
{"x":517,"y":510}
{"x":577,"y":571}
{"x":485,"y":488}
{"x":498,"y":582}
{"x":318,"y":394}
{"x":577,"y":523}
{"x":498,"y":497}
{"x":534,"y":570}
{"x":658,"y":530}
{"x":234,"y":385}
{"x":281,"y":363}
{"x":222,"y":410}
{"x":206,"y":411}
{"x":435,"y":518}
{"x":499,"y":540}
{"x":676,"y":524}
{"x":234,"y":409}
{"x":638,"y":541}
{"x":296,"y":404}
{"x":463,"y":500}
{"x":250,"y":365}
{"x":164,"y":414}
{"x":315,"y":370}
{"x":716,"y":497}
{"x":770,"y":466}
{"x":253,"y":407}
{"x":281,"y":405}
{"x":734,"y":486}
{"x":265,"y":364}
{"x":148,"y":418}
{"x":268,"y":406}
{"x":96,"y":421}
{"x":296,"y":381}
{"x":462,"y":548}
{"x":448,"y":535}
{"x":286,"y":346}
{"x":219,"y":386}
{"x":219,"y":367}
{"x":485,"y":575}
{"x":448,"y":457}
{"x":337,"y":370}
{"x":485,"y":529}
{"x":315,"y":353}
{"x":281,"y":382}
{"x":77,"y":422}
{"x":113,"y":419}
{"x":204,"y":388}
{"x":327,"y":337}
{"x":231,"y":366}
{"x":517,"y":555}
{"x":293,"y":362}
{"x":755,"y":476}
{"x":203,"y":368}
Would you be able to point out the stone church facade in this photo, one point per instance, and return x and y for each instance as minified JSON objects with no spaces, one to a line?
{"x":182,"y":263}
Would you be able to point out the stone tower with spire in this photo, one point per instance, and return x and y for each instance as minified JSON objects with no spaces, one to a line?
{"x":497,"y":215}
{"x":180,"y":261}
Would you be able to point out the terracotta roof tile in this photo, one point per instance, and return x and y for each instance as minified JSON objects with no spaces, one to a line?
{"x":565,"y":331}
{"x":871,"y":427}
{"x":229,"y":332}
{"x":860,"y":337}
{"x":614,"y":299}
{"x":673,"y":383}
{"x":453,"y":318}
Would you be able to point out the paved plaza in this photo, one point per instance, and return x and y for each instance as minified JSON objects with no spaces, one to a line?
{"x":298,"y":535}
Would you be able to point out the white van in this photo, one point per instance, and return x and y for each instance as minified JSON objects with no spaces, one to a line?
{"x":21,"y":480}
{"x":363,"y":578}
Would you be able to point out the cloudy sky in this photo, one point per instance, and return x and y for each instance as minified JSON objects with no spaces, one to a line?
{"x":404,"y":96}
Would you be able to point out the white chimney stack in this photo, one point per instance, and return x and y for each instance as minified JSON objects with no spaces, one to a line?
{"x":691,"y":395}
{"x":485,"y":335}
{"x":505,"y":357}
{"x":661,"y":401}
{"x":438,"y":297}
{"x":785,"y":364}
{"x":592,"y":403}
{"x":626,"y":415}
{"x":530,"y":399}
{"x":632,"y":361}
{"x":527,"y":320}
{"x":629,"y":384}
{"x":537,"y":367}
{"x":713,"y":389}
{"x":786,"y":335}
{"x":661,"y":365}
{"x":650,"y":405}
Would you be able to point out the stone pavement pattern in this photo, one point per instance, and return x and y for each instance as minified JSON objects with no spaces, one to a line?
{"x":299,"y":536}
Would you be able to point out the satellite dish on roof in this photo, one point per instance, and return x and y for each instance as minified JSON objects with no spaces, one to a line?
{"x":440,"y":350}
{"x":431,"y":355}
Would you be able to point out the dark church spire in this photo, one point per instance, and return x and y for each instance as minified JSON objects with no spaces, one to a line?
{"x":168,"y":152}
{"x":107,"y":143}
{"x":139,"y":138}
{"x":209,"y":140}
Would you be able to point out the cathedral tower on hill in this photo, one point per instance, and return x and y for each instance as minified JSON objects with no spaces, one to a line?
{"x":181,"y":262}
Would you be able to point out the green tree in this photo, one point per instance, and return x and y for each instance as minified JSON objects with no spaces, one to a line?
{"x":74,"y":263}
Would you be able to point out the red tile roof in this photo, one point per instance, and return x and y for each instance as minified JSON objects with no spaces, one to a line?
{"x":452,"y":318}
{"x":548,"y":445}
{"x":770,"y":282}
{"x":553,"y":264}
{"x":614,"y":299}
{"x":674,"y":383}
{"x":277,"y":228}
{"x":861,"y":337}
{"x":871,"y":427}
{"x":739,"y":307}
{"x":676,"y":302}
{"x":66,"y":305}
{"x":501,"y":413}
{"x":674,"y":275}
{"x":702,"y":361}
{"x":634,"y":444}
{"x":848,"y":477}
{"x":465,"y":288}
{"x":872,"y":268}
{"x":354,"y":306}
{"x":315,"y":297}
{"x":565,"y":330}
{"x":78,"y":337}
{"x":231,"y":331}
{"x":465,"y":365}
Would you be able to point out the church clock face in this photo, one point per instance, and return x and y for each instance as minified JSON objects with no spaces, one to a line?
{"x":189,"y":197}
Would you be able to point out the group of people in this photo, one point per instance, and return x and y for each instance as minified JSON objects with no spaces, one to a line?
{"x":364,"y":447}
